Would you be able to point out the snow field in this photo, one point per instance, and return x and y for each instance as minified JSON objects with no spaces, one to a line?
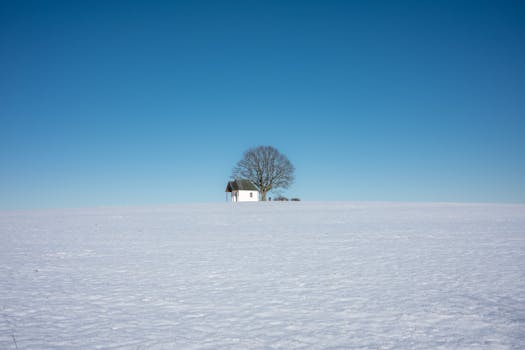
{"x":265,"y":276}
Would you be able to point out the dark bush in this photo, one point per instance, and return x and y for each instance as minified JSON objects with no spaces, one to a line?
{"x":296,"y":199}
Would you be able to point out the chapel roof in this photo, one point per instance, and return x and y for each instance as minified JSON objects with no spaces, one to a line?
{"x":240,"y":185}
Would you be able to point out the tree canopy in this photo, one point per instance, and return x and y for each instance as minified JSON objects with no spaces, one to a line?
{"x":266,"y":167}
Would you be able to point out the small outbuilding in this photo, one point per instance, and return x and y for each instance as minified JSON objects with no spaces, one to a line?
{"x":242,"y":191}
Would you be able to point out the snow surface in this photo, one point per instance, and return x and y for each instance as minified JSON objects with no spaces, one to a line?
{"x":264,"y":276}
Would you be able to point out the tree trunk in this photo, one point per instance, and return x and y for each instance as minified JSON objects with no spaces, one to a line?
{"x":263,"y":196}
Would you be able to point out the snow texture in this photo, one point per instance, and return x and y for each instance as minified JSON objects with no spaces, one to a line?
{"x":265,"y":276}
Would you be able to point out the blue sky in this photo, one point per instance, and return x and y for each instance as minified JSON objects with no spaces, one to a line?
{"x":151,"y":102}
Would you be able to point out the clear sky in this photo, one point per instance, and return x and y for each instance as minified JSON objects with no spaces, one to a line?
{"x":153,"y":102}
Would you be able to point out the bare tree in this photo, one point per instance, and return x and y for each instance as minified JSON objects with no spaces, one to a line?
{"x":266,"y":168}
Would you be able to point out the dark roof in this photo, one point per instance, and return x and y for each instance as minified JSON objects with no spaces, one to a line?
{"x":240,"y":185}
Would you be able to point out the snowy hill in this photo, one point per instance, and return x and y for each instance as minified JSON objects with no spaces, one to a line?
{"x":264,"y":276}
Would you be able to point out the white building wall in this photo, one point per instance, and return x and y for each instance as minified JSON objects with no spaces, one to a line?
{"x":245,"y":196}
